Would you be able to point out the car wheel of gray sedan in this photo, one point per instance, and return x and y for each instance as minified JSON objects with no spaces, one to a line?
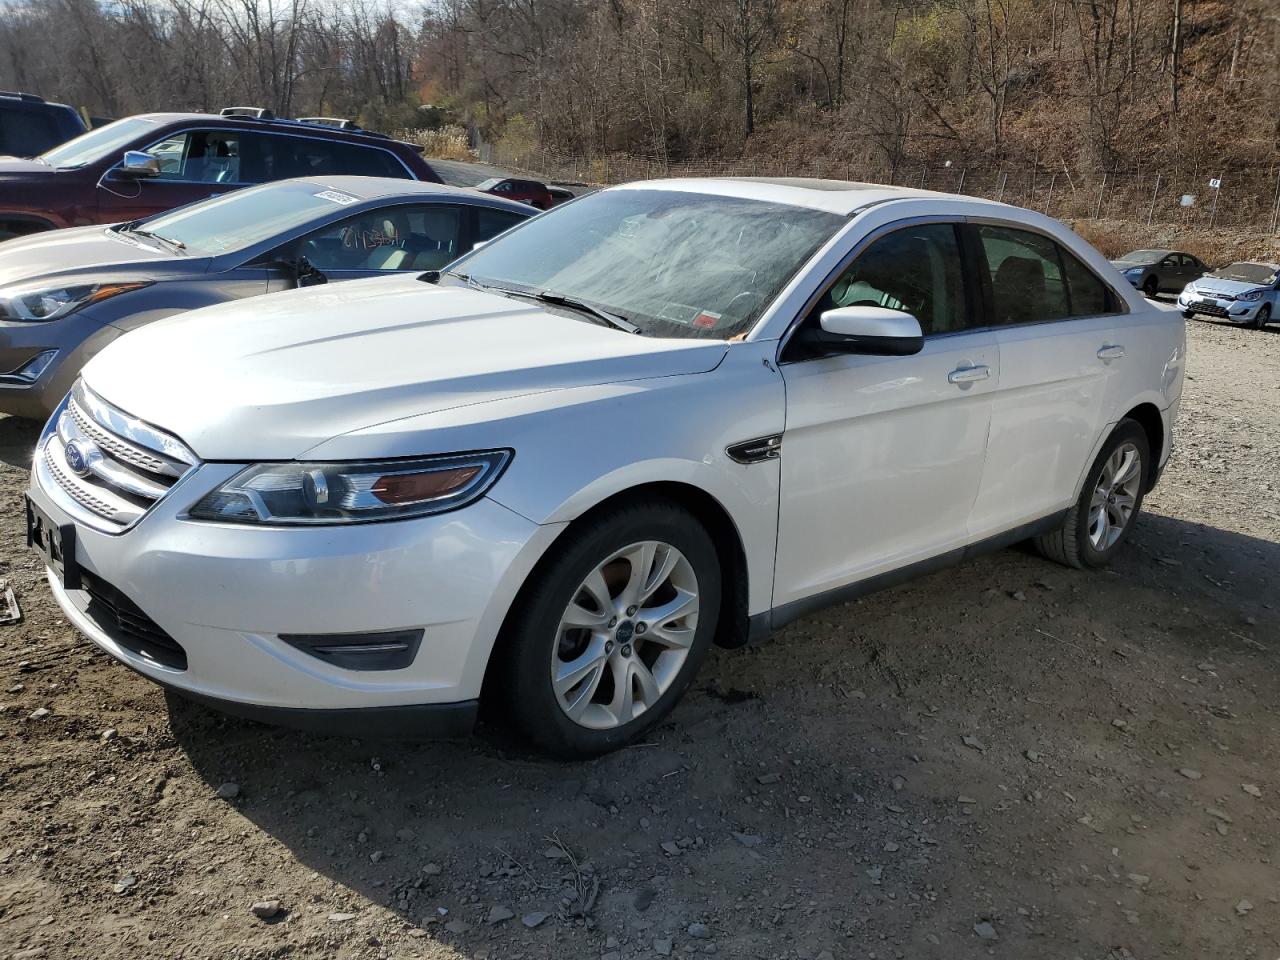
{"x":610,"y":632}
{"x":1151,"y":287}
{"x":1263,"y":317}
{"x":1109,"y":502}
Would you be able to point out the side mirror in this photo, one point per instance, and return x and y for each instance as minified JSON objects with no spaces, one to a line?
{"x":877,"y":331}
{"x":137,"y":165}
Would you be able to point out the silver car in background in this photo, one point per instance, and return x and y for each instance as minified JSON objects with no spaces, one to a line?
{"x":66,"y":294}
{"x":1246,"y":293}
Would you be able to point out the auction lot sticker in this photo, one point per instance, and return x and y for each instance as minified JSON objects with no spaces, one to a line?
{"x":336,"y":197}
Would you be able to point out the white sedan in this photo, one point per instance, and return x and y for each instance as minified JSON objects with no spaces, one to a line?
{"x":662,"y":416}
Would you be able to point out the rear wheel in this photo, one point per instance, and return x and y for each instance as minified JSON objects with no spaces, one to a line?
{"x":1263,"y":317}
{"x":1109,"y":502}
{"x":611,"y":631}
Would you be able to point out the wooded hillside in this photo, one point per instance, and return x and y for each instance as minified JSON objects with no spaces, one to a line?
{"x":877,"y":84}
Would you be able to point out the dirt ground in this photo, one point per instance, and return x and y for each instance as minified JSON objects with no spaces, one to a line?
{"x":1006,"y":759}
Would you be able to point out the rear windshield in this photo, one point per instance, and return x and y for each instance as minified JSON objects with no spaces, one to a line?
{"x":240,"y":219}
{"x":1247,"y":272}
{"x":100,"y":142}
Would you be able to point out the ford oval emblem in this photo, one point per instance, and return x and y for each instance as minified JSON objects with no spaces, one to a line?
{"x":80,"y":455}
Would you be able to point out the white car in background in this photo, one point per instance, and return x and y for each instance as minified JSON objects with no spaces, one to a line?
{"x":1243,"y":293}
{"x":666,"y":415}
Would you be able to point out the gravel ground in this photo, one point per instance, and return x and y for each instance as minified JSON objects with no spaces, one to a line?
{"x":1006,"y":759}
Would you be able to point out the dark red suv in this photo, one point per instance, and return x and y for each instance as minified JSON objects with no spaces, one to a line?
{"x":146,"y":164}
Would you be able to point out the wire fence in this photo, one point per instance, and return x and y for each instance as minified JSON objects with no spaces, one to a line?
{"x":1244,"y":199}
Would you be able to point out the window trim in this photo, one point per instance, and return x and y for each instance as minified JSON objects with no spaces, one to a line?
{"x":259,"y":130}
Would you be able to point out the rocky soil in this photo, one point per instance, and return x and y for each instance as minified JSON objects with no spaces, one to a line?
{"x":1006,"y":759}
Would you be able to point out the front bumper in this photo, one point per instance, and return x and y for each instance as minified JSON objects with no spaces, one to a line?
{"x":72,"y":340}
{"x":1235,"y":311}
{"x":225,"y":593}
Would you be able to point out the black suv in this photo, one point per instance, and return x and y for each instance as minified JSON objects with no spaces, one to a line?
{"x":29,"y":125}
{"x":144,"y":165}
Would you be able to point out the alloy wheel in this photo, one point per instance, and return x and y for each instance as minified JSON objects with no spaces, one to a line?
{"x":1115,"y":496}
{"x":625,"y":635}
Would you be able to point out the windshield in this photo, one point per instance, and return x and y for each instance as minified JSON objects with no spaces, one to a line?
{"x":110,"y":140}
{"x":1247,"y":272}
{"x":488,"y":184}
{"x":1143,"y":256}
{"x":675,"y":264}
{"x":242,"y":218}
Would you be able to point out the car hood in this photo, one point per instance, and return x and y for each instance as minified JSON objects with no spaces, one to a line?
{"x":83,"y":251}
{"x":272,"y":377}
{"x":1218,"y":285}
{"x":17,"y":168}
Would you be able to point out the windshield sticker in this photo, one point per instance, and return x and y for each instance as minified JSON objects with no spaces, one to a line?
{"x":336,"y":197}
{"x":706,"y":319}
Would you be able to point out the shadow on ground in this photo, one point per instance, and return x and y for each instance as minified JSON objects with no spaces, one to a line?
{"x":819,"y":793}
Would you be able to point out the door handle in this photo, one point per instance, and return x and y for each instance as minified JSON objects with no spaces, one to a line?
{"x":1110,"y":351}
{"x":968,"y":374}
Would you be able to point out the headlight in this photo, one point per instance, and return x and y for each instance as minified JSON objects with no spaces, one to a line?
{"x":291,"y":494}
{"x":1251,"y":295}
{"x":40,"y":304}
{"x":1135,"y":271}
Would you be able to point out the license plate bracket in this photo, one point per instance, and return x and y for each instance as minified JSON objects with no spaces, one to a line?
{"x":56,"y":543}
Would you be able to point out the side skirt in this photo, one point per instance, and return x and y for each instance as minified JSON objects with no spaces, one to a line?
{"x":762,"y":625}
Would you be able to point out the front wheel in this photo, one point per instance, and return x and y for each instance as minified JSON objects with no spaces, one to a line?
{"x":610,"y":632}
{"x":1109,"y":502}
{"x":1151,"y":287}
{"x":1263,"y":317}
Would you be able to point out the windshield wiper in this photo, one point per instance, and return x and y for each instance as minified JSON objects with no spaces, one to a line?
{"x":560,"y":300}
{"x":465,"y":278}
{"x":176,"y":244}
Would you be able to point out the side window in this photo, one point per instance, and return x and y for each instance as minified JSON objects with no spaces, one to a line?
{"x":1089,"y":296}
{"x":1027,"y":285}
{"x":915,"y":269}
{"x":26,"y":133}
{"x":395,"y":238}
{"x":200,"y":156}
{"x":490,"y":223}
{"x":359,"y":161}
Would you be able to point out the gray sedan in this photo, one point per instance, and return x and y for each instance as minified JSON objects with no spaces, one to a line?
{"x":66,"y":294}
{"x":1159,"y":271}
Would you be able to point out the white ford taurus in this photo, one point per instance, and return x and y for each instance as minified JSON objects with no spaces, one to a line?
{"x":662,"y":416}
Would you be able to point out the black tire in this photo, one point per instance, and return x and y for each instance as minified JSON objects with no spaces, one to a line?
{"x":1188,"y":314}
{"x":1263,"y":317}
{"x":1150,"y":287}
{"x":522,"y":672}
{"x":1069,"y":544}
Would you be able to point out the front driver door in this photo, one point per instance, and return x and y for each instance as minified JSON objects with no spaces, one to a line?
{"x":882,"y":456}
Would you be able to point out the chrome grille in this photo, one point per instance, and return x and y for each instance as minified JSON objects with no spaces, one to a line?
{"x":112,"y":466}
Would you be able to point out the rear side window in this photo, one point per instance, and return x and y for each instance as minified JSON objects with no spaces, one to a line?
{"x":916,"y":270}
{"x":490,"y":223}
{"x":1027,"y":284}
{"x":277,"y":157}
{"x":1089,"y":296}
{"x":27,"y":133}
{"x":1033,"y":279}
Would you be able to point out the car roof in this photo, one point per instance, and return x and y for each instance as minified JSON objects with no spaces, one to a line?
{"x":383,"y":188}
{"x":276,"y":124}
{"x":842,"y":197}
